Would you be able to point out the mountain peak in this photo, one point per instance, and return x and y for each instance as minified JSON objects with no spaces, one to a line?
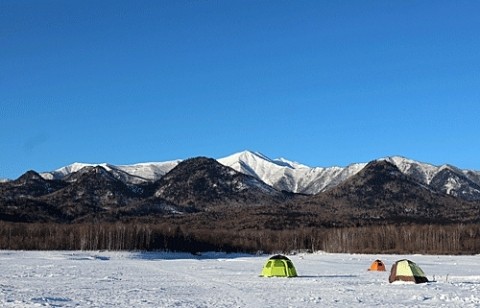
{"x":252,"y":159}
{"x":201,"y":181}
{"x":249,"y":155}
{"x":286,"y":175}
{"x":89,"y":172}
{"x":30,"y":176}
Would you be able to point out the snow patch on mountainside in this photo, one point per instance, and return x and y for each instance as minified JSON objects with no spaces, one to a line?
{"x":452,"y":185}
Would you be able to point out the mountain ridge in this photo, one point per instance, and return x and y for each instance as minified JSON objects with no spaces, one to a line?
{"x":294,"y":177}
{"x":202,"y":188}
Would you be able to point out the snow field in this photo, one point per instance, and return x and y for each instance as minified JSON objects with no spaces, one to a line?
{"x":134,"y":279}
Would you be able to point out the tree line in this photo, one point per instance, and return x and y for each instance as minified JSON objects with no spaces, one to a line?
{"x":168,"y":236}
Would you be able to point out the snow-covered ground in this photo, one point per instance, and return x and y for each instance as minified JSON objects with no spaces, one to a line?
{"x":131,"y":279}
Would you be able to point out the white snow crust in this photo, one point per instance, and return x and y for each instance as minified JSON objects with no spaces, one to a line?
{"x":136,"y":279}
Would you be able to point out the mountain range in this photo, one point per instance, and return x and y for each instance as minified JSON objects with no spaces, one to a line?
{"x":394,"y":189}
{"x":294,"y":177}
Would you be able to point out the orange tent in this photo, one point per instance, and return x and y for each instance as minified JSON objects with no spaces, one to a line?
{"x":377,"y":265}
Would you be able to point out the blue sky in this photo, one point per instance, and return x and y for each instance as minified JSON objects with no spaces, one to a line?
{"x":319,"y":82}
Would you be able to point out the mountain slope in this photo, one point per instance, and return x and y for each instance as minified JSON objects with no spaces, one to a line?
{"x":381,"y":193}
{"x":92,"y":189}
{"x":30,"y":184}
{"x":19,"y":199}
{"x":454,"y":182}
{"x":464,"y":184}
{"x":202,"y":182}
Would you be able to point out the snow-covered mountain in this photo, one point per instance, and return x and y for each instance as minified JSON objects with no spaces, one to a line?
{"x":445,"y":178}
{"x":291,"y":176}
{"x":204,"y":181}
{"x":133,"y":174}
{"x":295,"y":177}
{"x":287,"y":175}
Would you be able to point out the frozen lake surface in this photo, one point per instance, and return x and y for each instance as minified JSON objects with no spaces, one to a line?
{"x":131,"y":279}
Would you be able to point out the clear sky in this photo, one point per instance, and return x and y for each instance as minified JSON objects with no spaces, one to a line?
{"x":322,"y":83}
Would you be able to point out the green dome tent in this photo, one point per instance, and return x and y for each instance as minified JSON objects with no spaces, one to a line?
{"x":406,"y":270}
{"x":279,"y":266}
